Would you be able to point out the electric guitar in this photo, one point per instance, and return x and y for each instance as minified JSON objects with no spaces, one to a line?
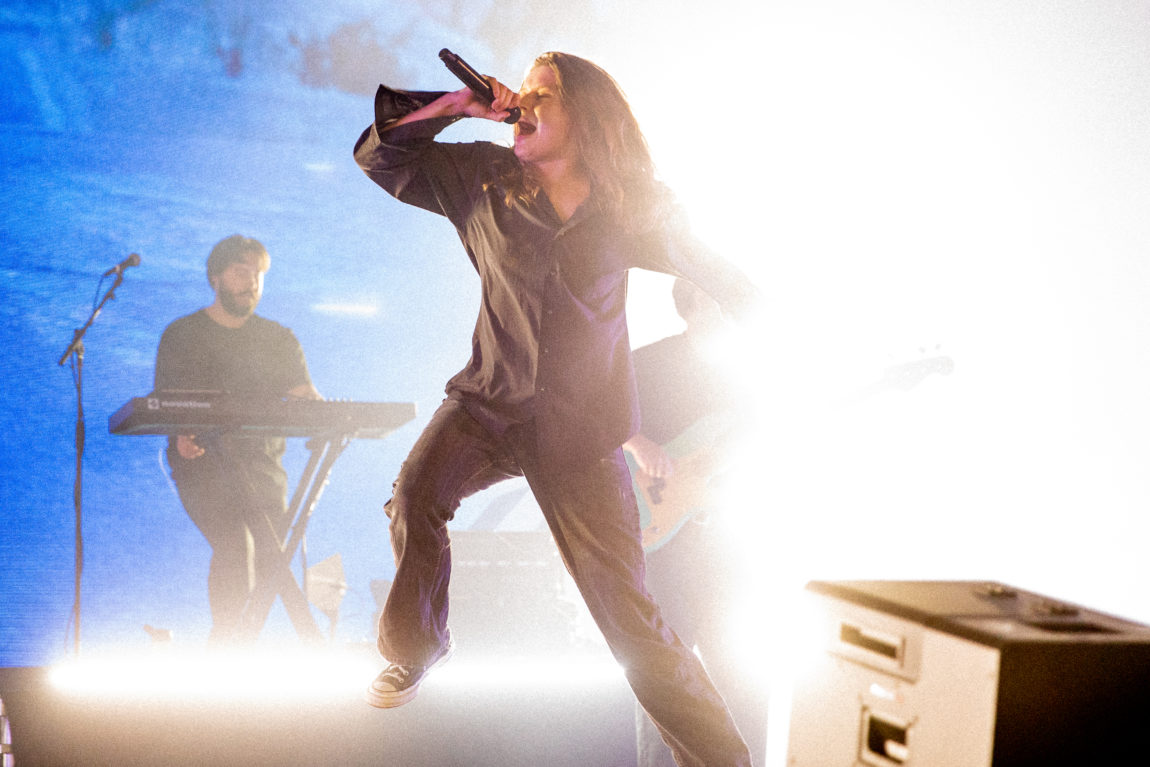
{"x":668,"y":503}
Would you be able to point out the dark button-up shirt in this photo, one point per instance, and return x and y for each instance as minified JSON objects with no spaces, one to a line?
{"x":550,"y":343}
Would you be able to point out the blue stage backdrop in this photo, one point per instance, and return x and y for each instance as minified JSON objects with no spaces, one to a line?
{"x":902,"y":178}
{"x":159,"y":128}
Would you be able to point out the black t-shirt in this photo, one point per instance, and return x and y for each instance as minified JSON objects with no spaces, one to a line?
{"x":261,"y":358}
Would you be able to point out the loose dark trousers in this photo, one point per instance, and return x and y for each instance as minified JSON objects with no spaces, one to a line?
{"x":593,"y":516}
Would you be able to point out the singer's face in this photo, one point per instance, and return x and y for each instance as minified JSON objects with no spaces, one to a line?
{"x":239,"y":288}
{"x":543,"y":132}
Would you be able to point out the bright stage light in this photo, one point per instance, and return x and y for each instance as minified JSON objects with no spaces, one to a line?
{"x":575,"y":672}
{"x":286,"y":676}
{"x":256,"y":675}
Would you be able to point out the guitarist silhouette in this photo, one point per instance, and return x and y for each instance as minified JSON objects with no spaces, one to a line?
{"x":692,"y":416}
{"x":688,"y":416}
{"x":688,"y":409}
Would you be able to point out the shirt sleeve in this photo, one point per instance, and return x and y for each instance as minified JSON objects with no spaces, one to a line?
{"x":672,"y":248}
{"x":408,"y":163}
{"x":295,"y":364}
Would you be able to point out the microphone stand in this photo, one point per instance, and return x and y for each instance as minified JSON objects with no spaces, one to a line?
{"x":76,"y":349}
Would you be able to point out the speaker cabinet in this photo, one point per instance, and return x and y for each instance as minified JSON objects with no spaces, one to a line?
{"x":969,"y":674}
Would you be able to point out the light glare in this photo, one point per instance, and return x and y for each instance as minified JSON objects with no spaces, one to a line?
{"x":294,"y":676}
{"x":216,"y":676}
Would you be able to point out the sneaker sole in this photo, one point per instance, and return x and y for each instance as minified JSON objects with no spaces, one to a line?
{"x":396,"y":699}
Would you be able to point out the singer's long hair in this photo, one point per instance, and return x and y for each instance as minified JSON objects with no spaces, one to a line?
{"x":609,"y":142}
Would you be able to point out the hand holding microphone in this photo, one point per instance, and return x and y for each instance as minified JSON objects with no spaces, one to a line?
{"x":475,"y":82}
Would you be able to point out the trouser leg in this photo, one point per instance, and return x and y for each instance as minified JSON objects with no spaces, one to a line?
{"x":696,"y":579}
{"x":453,"y":458}
{"x":230,"y":572}
{"x":225,"y":503}
{"x":595,"y":521}
{"x":650,"y":750}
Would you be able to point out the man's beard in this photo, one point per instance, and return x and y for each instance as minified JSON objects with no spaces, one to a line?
{"x":239,"y":305}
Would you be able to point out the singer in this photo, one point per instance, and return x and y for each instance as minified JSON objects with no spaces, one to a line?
{"x":551,"y":226}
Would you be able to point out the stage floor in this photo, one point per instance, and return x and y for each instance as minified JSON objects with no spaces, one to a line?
{"x":462,"y":719}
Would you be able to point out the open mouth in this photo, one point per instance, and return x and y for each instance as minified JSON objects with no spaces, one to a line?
{"x":523,"y":128}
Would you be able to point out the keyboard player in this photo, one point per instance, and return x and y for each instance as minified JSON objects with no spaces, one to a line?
{"x":233,"y":487}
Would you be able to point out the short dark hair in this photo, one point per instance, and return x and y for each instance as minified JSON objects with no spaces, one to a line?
{"x":234,"y":249}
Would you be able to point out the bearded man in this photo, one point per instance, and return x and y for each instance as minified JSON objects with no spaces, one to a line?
{"x":233,"y":487}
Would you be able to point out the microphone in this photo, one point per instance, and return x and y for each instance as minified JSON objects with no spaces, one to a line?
{"x":132,"y":260}
{"x":476,"y":82}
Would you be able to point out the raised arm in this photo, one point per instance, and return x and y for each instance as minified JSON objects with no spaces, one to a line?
{"x":461,"y":103}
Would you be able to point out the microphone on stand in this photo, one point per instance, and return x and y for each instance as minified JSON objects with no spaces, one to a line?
{"x":132,"y":260}
{"x":476,"y":82}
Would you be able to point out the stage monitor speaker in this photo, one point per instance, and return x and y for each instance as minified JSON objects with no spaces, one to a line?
{"x":969,"y":674}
